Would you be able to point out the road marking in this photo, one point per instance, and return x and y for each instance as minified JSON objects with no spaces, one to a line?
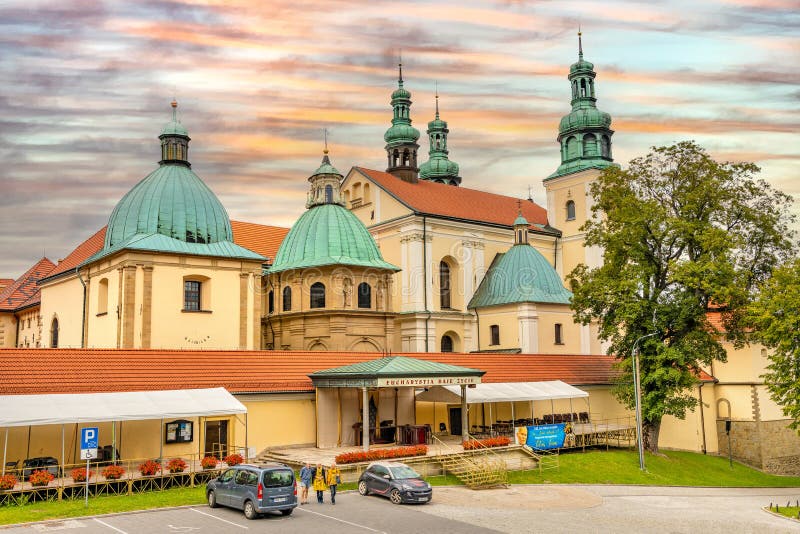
{"x":110,"y":526}
{"x":341,"y":520}
{"x":219,"y":518}
{"x":182,"y":529}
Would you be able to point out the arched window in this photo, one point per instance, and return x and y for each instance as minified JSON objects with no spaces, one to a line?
{"x":102,"y":297}
{"x":438,"y":142}
{"x":559,"y":340}
{"x":287,"y":298}
{"x":570,"y":210}
{"x":328,"y":194}
{"x":395,"y":160}
{"x":271,"y":302}
{"x":406,"y":158}
{"x":573,"y":148}
{"x":494,"y":330}
{"x":364,"y":295}
{"x":605,"y":147}
{"x":318,"y":295}
{"x":444,"y":285}
{"x":583,"y":87}
{"x":54,"y":333}
{"x":590,"y":145}
{"x":447,"y":344}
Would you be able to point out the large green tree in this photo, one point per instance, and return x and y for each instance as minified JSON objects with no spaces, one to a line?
{"x":775,"y":316}
{"x":681,"y":234}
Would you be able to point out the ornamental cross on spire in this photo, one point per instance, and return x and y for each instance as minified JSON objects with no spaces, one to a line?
{"x":580,"y":43}
{"x":400,"y":67}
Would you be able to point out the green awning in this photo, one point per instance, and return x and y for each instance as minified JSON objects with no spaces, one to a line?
{"x":396,"y":371}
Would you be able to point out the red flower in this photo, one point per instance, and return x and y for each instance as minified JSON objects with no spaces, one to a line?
{"x":233,"y":459}
{"x":113,"y":472}
{"x":79,"y":474}
{"x":40,"y":478}
{"x":500,"y":441}
{"x":209,"y":462}
{"x":149,"y":468}
{"x":7,"y":482}
{"x":381,"y":454}
{"x":176,"y":465}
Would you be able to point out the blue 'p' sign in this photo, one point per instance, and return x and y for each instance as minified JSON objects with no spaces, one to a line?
{"x":89,"y":438}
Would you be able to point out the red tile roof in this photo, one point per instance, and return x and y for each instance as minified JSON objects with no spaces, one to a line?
{"x":259,"y":238}
{"x":33,"y":371}
{"x":24,"y":291}
{"x":5,"y":282}
{"x":457,"y":202}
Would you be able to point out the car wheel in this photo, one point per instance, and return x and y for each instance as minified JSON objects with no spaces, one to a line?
{"x":212,"y":499}
{"x":287,"y":512}
{"x":362,"y":487}
{"x":395,"y":496}
{"x":250,"y":510}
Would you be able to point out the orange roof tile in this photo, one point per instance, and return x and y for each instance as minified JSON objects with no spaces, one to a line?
{"x":5,"y":282}
{"x":457,"y":202}
{"x":24,"y":291}
{"x":32,"y":371}
{"x":259,"y":238}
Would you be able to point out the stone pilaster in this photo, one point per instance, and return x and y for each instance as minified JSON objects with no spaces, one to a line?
{"x":128,"y":305}
{"x":147,"y":307}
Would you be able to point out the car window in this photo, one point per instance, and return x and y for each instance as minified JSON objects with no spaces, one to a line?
{"x":403,"y":472}
{"x":278,"y":478}
{"x":227,"y":476}
{"x":246,"y":478}
{"x":380,"y":470}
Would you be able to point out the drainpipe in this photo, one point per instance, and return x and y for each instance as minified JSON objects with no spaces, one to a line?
{"x":555,"y":254}
{"x":83,"y":311}
{"x":16,"y":341}
{"x":425,"y":277}
{"x":702,"y":418}
{"x":478,"y":318}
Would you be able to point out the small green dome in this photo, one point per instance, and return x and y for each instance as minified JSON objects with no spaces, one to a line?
{"x":520,"y":275}
{"x":328,"y":234}
{"x":174,"y":128}
{"x":326,"y":167}
{"x":520,"y":220}
{"x":581,"y":66}
{"x":437,"y":124}
{"x":586,"y":117}
{"x":401,"y":133}
{"x":438,"y":167}
{"x":401,"y":94}
{"x":172,"y":201}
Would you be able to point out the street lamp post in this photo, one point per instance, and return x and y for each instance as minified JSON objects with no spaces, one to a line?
{"x":638,"y":397}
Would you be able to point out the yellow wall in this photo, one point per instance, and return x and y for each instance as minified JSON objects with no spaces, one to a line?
{"x":63,"y":298}
{"x":277,"y":420}
{"x":8,"y":330}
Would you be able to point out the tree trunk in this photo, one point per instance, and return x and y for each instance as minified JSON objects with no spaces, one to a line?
{"x":650,"y":430}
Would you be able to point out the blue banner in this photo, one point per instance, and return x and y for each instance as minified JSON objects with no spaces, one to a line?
{"x":542,"y":436}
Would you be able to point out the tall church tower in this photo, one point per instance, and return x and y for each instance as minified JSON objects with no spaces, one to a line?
{"x":439,"y":168}
{"x":401,"y":137}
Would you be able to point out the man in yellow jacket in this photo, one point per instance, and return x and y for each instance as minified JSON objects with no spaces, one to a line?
{"x":334,"y":478}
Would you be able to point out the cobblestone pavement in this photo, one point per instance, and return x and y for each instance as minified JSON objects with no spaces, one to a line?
{"x":572,"y":508}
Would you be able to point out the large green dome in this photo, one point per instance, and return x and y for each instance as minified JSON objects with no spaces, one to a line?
{"x":328,"y":234}
{"x":401,"y":133}
{"x":172,"y":201}
{"x":438,"y":167}
{"x":520,"y":275}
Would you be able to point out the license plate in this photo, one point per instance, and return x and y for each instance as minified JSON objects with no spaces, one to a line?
{"x":423,"y":499}
{"x":280,"y":499}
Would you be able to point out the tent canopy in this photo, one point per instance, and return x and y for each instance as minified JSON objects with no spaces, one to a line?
{"x":24,"y":410}
{"x":503,"y":392}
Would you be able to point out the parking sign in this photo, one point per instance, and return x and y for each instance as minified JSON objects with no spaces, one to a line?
{"x":89,"y":440}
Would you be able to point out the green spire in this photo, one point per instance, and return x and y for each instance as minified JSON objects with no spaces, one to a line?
{"x":439,"y":168}
{"x":401,"y":137}
{"x":585,"y":133}
{"x":325,"y":182}
{"x":174,"y":140}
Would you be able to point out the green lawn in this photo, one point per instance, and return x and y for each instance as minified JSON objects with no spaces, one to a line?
{"x":788,"y":511}
{"x":673,"y":469}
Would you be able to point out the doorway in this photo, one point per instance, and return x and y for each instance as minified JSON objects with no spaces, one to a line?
{"x":455,"y":421}
{"x":216,"y":435}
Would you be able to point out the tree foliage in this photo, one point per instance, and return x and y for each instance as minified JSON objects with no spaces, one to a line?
{"x":681,"y":234}
{"x":775,"y":316}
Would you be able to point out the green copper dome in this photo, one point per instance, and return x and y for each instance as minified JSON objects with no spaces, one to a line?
{"x":584,"y":118}
{"x":328,"y":234}
{"x":400,"y":133}
{"x":438,"y":167}
{"x":520,"y":275}
{"x":172,"y":201}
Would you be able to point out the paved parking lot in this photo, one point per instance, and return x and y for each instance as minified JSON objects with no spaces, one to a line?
{"x":548,"y":509}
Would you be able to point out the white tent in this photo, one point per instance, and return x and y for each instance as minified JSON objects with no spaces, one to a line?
{"x":503,"y":392}
{"x":25,"y":410}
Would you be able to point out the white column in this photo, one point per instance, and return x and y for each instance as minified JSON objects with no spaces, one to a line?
{"x":528,"y":320}
{"x":468,"y":270}
{"x":586,"y":346}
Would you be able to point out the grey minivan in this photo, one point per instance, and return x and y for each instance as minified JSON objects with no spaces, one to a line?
{"x":255,"y":489}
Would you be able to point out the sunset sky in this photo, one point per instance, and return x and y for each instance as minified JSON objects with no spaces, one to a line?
{"x":86,"y":88}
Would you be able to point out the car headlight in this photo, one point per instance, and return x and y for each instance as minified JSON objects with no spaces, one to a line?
{"x":407,"y":487}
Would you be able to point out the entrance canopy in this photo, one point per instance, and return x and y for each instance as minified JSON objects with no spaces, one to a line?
{"x":396,"y":371}
{"x":503,"y":392}
{"x":25,"y":410}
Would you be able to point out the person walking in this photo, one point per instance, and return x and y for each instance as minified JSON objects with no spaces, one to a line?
{"x":305,"y":482}
{"x":334,"y":478}
{"x":319,"y":476}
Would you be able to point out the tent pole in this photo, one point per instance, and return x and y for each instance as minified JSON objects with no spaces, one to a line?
{"x":113,"y":442}
{"x":513,"y":419}
{"x":491,"y":420}
{"x":531,"y":407}
{"x":199,"y":431}
{"x":161,"y":443}
{"x":28,"y":450}
{"x":464,"y":414}
{"x":62,"y":455}
{"x":570,"y":409}
{"x":5,"y":450}
{"x":552,"y":412}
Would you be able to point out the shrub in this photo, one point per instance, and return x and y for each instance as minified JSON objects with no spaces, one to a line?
{"x":113,"y":472}
{"x":381,"y":454}
{"x":176,"y":465}
{"x":149,"y":468}
{"x":209,"y":462}
{"x":40,"y":478}
{"x":233,"y":459}
{"x":500,"y":441}
{"x":79,"y":474}
{"x":7,"y":482}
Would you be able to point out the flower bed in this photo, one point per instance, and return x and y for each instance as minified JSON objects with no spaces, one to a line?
{"x":7,"y":482}
{"x":209,"y":462}
{"x":79,"y":474}
{"x":176,"y":465}
{"x":40,"y":478}
{"x":233,"y":459}
{"x":381,"y":454}
{"x":500,"y":441}
{"x":113,"y":472}
{"x":149,"y":468}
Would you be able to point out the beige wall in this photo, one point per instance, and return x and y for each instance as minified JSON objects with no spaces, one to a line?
{"x":8,"y":330}
{"x":277,"y":420}
{"x":63,"y":298}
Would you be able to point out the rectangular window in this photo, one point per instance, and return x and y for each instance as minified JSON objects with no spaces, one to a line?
{"x":495,"y":330}
{"x":191,"y":295}
{"x":559,"y":339}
